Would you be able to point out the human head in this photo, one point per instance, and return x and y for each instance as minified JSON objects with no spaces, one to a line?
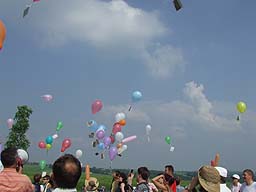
{"x":223,"y":174}
{"x":123,"y":177}
{"x":66,"y":171}
{"x":235,"y":179}
{"x":116,"y":175}
{"x":169,"y":170}
{"x":9,"y":158}
{"x":143,"y":174}
{"x":248,"y":176}
{"x":37,"y":178}
{"x":46,"y":179}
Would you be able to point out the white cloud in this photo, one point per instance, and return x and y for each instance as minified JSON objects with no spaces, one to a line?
{"x":110,"y":26}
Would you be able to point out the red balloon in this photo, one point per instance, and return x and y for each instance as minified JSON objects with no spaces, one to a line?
{"x":116,"y":128}
{"x":41,"y":145}
{"x":212,"y":163}
{"x":66,"y":143}
{"x":96,"y":106}
{"x":112,"y":139}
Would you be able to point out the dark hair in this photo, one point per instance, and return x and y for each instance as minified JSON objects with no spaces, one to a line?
{"x":169,"y":179}
{"x":144,"y":172}
{"x":9,"y":157}
{"x":169,"y":167}
{"x":124,"y":176}
{"x":66,"y":171}
{"x":250,"y":172}
{"x":222,"y":180}
{"x":178,"y":180}
{"x":37,"y":178}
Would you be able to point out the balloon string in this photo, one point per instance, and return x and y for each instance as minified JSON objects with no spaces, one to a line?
{"x":130,"y":108}
{"x":148,"y":138}
{"x":110,"y":166}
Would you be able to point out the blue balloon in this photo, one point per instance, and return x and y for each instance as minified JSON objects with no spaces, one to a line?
{"x":101,"y":127}
{"x":92,"y":125}
{"x":101,"y":146}
{"x":136,"y":96}
{"x":49,"y":140}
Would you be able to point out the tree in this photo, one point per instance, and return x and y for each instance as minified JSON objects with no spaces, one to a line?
{"x":17,"y":136}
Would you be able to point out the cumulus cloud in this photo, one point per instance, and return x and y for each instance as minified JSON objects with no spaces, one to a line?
{"x":112,"y":25}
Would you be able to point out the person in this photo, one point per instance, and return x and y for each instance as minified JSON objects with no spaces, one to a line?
{"x":115,"y":181}
{"x":235,"y":186}
{"x":66,"y":172}
{"x":179,"y":188}
{"x":249,"y":185}
{"x":223,"y":176}
{"x":36,"y":183}
{"x":169,"y":170}
{"x":123,"y":185}
{"x":45,"y":183}
{"x":11,"y":178}
{"x":142,"y":180}
{"x":163,"y":182}
{"x":207,"y":179}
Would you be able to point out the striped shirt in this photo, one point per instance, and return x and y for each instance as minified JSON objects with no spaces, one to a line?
{"x":11,"y":181}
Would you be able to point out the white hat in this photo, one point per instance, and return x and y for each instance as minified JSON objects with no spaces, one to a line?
{"x":236,"y":176}
{"x":222,"y":171}
{"x":23,"y":155}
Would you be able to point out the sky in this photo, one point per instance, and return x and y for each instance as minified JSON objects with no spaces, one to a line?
{"x":192,"y":67}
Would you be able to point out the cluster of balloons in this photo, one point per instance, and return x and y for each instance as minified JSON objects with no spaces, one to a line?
{"x":215,"y":162}
{"x":241,"y":108}
{"x":168,"y":141}
{"x":2,"y":34}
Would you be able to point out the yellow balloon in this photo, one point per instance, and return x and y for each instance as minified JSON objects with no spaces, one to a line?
{"x":48,"y":146}
{"x":241,"y":107}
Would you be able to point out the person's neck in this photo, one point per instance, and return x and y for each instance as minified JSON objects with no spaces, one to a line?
{"x":249,"y":182}
{"x":235,"y":184}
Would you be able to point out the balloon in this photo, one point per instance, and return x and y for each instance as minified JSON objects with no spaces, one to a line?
{"x":128,"y":139}
{"x":101,"y":128}
{"x":49,"y":140}
{"x":212,"y":163}
{"x":101,"y":146}
{"x":10,"y":123}
{"x":122,"y":149}
{"x":100,"y":134}
{"x":59,"y":126}
{"x":41,"y":145}
{"x":172,"y":148}
{"x":2,"y":34}
{"x":96,"y":106}
{"x":47,"y":98}
{"x":119,"y":117}
{"x":36,"y":1}
{"x":92,"y":125}
{"x":66,"y":143}
{"x":23,"y":155}
{"x":55,"y":136}
{"x":112,"y":153}
{"x":122,"y":122}
{"x":48,"y":146}
{"x":112,"y":139}
{"x":217,"y":159}
{"x":119,"y":136}
{"x":119,"y":145}
{"x":168,"y":140}
{"x":241,"y":107}
{"x":136,"y":96}
{"x":87,"y":172}
{"x":79,"y":153}
{"x":107,"y":141}
{"x":42,"y":164}
{"x":148,"y":129}
{"x":116,"y":128}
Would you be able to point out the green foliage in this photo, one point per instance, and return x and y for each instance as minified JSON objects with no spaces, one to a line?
{"x":17,"y":136}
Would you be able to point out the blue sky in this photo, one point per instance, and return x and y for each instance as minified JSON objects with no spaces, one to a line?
{"x":192,"y":67}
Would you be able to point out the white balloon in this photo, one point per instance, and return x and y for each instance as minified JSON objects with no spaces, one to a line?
{"x":79,"y":153}
{"x":10,"y":123}
{"x":122,"y":149}
{"x":55,"y":136}
{"x":148,"y":129}
{"x":23,"y":155}
{"x":119,"y":117}
{"x":172,"y":149}
{"x":47,"y":97}
{"x":119,"y":136}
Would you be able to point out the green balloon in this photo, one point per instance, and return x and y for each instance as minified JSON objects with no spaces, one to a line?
{"x":42,"y":164}
{"x":168,"y":140}
{"x":59,"y":126}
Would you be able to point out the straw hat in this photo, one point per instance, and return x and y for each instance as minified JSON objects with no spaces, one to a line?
{"x":92,"y":184}
{"x":209,"y":178}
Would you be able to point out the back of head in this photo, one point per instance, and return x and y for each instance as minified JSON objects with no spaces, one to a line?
{"x":37,"y":178}
{"x":178,"y":180}
{"x":66,"y":171}
{"x":144,"y":172}
{"x":9,"y":157}
{"x":169,"y":168}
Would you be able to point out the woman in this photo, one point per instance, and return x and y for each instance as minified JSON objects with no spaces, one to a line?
{"x":123,"y":185}
{"x":115,"y":181}
{"x":163,"y":182}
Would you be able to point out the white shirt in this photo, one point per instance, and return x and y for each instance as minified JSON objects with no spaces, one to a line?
{"x":248,"y":188}
{"x":236,"y":188}
{"x":224,"y":188}
{"x":64,"y":190}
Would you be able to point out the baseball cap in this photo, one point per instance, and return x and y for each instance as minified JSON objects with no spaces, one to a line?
{"x":222,"y":171}
{"x":235,"y":176}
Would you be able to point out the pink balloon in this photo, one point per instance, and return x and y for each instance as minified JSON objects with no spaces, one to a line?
{"x":41,"y":145}
{"x":36,"y":0}
{"x":47,"y":98}
{"x":66,"y":143}
{"x":128,"y":139}
{"x":10,"y":123}
{"x":96,"y":106}
{"x":100,"y":134}
{"x":112,"y":153}
{"x":116,"y":128}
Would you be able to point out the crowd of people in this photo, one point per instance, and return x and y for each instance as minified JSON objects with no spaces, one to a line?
{"x":66,"y":172}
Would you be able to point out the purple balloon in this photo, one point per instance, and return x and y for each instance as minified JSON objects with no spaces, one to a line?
{"x":107,"y":141}
{"x":100,"y":134}
{"x":112,"y":153}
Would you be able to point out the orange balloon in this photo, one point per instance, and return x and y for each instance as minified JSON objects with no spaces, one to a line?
{"x":217,"y":159}
{"x":119,"y":145}
{"x":87,"y":172}
{"x":122,"y":122}
{"x":2,"y":34}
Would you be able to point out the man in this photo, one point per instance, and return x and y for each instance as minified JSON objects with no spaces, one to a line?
{"x":142,"y":180}
{"x":169,"y":170}
{"x":249,"y":185}
{"x":11,"y":178}
{"x":66,"y":173}
{"x":235,"y":187}
{"x":223,"y":176}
